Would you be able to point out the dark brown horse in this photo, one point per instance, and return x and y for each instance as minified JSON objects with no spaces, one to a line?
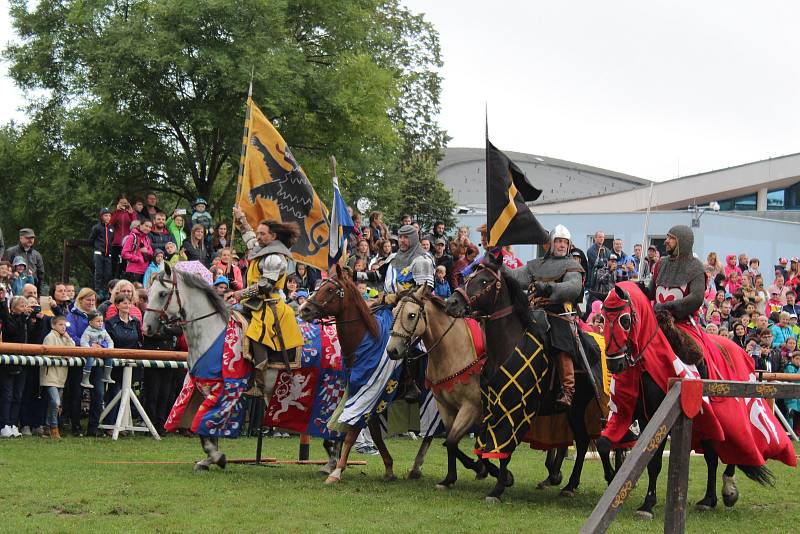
{"x":502,"y":304}
{"x":338,"y":297}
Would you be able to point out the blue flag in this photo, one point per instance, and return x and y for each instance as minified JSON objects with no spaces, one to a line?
{"x":341,"y":226}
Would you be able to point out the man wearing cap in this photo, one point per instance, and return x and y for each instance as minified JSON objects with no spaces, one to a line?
{"x":32,"y":258}
{"x":556,"y":284}
{"x":102,"y":238}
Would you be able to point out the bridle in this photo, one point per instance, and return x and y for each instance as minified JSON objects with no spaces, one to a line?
{"x":163,"y":317}
{"x":408,"y":335}
{"x":338,"y":293}
{"x":497,"y":286}
{"x":624,"y":350}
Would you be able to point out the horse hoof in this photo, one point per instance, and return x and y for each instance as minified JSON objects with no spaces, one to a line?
{"x":332,"y":480}
{"x":566,"y":492}
{"x":325,"y":470}
{"x":442,"y":487}
{"x":222,"y":461}
{"x":644,"y":514}
{"x":200,"y":467}
{"x":492,"y":500}
{"x":730,"y":493}
{"x":729,"y":499}
{"x":414,"y":474}
{"x":389,"y":478}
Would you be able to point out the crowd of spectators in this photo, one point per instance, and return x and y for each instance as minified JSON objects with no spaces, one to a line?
{"x":135,"y":240}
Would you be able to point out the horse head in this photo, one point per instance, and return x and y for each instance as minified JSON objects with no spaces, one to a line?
{"x":163,"y":306}
{"x":410,"y":323}
{"x":480,"y":291}
{"x":328,"y":300}
{"x":623,"y":327}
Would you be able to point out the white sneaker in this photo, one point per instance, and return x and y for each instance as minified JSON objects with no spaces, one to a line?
{"x":15,"y":431}
{"x":5,"y":432}
{"x":26,"y":431}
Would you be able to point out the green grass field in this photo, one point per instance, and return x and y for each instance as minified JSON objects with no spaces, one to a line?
{"x":61,"y":487}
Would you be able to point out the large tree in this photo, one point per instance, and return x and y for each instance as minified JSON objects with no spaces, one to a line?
{"x":133,"y":95}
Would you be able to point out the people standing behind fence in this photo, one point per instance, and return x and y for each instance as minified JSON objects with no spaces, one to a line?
{"x":155,"y":267}
{"x":219,"y":238}
{"x":138,"y":252}
{"x":195,"y":248}
{"x":53,"y":377}
{"x":177,"y":226}
{"x":21,"y":275}
{"x":201,"y":216}
{"x":32,"y":258}
{"x":16,"y":326}
{"x":121,"y":221}
{"x":5,"y":282}
{"x":307,"y":277}
{"x":159,"y":235}
{"x":229,"y":268}
{"x":761,"y":293}
{"x":95,"y":336}
{"x":102,"y":238}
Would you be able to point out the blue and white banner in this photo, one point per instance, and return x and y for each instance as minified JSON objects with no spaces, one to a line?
{"x":341,"y":226}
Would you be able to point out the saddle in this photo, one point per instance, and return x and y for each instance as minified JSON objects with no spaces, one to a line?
{"x":244,"y":320}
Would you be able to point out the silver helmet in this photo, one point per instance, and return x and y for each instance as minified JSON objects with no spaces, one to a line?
{"x":560,"y":231}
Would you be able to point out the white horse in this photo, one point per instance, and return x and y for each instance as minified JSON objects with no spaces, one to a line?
{"x":177,"y":298}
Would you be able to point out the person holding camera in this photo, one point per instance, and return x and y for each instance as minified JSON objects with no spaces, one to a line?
{"x":121,"y":219}
{"x":138,"y":252}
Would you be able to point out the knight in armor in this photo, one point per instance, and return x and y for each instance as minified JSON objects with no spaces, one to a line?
{"x":556,"y":285}
{"x":677,"y":288}
{"x":273,"y":332}
{"x":407,"y":268}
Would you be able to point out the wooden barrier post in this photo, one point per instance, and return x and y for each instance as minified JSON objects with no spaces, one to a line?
{"x":648,"y":443}
{"x":680,"y":449}
{"x":305,"y":445}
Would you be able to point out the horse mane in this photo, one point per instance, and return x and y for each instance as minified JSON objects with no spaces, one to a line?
{"x":195,"y":282}
{"x":352,"y":298}
{"x":519,"y":300}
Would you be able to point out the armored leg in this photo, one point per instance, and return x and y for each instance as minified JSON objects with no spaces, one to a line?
{"x":567,"y":370}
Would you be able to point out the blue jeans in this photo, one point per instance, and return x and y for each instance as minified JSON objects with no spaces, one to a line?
{"x":53,"y":404}
{"x":12,"y":386}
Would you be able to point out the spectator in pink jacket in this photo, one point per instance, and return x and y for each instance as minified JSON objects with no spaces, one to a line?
{"x":731,"y":266}
{"x":138,"y":252}
{"x":121,"y":220}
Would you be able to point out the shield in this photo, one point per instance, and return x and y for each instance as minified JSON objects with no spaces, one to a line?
{"x":195,"y":267}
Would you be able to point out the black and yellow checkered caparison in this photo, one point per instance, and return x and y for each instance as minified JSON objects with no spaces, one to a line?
{"x":511,"y":398}
{"x":509,"y":220}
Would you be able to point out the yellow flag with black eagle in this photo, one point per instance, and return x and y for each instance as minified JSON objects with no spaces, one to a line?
{"x":509,"y":220}
{"x":275,"y":187}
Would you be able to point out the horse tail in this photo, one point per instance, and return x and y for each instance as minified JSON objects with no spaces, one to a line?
{"x":758,"y":473}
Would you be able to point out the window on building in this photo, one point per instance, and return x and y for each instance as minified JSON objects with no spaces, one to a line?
{"x":744,"y":203}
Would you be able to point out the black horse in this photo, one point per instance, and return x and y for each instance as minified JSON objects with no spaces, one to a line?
{"x":504,"y":306}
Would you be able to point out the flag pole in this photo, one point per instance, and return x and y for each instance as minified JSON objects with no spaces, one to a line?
{"x":486,"y":164}
{"x":645,"y":244}
{"x":243,"y":156}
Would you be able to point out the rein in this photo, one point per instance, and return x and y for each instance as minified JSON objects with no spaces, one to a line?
{"x":339,"y":294}
{"x":409,"y":337}
{"x":624,"y":351}
{"x":164,"y":318}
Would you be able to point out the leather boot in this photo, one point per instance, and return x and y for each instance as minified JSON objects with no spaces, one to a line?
{"x":257,"y":389}
{"x":567,"y":369}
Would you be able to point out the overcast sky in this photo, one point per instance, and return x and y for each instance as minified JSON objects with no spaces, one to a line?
{"x":655,"y":89}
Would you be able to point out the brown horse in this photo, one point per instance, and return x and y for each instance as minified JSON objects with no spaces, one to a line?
{"x":338,"y":297}
{"x":453,"y":371}
{"x":502,"y":304}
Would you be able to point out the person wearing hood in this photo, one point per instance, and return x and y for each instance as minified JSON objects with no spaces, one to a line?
{"x":409,"y":267}
{"x":102,"y":238}
{"x":273,"y":330}
{"x":677,"y":288}
{"x":20,"y":275}
{"x":155,"y":267}
{"x":138,"y":252}
{"x":731,"y":266}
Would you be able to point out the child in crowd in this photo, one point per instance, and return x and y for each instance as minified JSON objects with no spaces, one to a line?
{"x":792,"y":405}
{"x":201,"y":216}
{"x":302,"y":297}
{"x":21,"y":275}
{"x":155,"y":267}
{"x":221,"y":285}
{"x":441,"y":286}
{"x":171,"y":255}
{"x":52,"y":378}
{"x":96,"y":336}
{"x":774,"y":303}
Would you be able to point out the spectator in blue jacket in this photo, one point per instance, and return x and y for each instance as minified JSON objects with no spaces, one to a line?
{"x":102,"y":238}
{"x":781,"y":331}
